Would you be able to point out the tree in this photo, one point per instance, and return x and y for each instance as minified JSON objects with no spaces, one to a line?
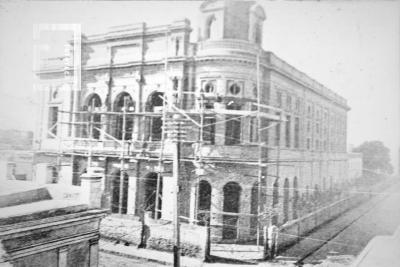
{"x":375,"y":156}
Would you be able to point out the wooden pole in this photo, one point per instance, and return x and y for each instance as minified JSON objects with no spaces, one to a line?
{"x":121,"y":173}
{"x":175,"y":169}
{"x":259,"y":149}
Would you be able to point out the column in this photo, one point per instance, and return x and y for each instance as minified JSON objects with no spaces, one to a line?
{"x":216,"y":216}
{"x":193,"y":203}
{"x":167,"y":199}
{"x":132,"y":182}
{"x":91,"y":187}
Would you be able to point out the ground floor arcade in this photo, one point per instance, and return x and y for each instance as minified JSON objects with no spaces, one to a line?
{"x":228,"y":195}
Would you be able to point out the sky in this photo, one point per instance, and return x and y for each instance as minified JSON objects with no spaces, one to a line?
{"x":352,"y":47}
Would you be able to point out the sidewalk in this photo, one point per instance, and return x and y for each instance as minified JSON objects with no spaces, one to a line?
{"x":132,"y":251}
{"x":166,"y":258}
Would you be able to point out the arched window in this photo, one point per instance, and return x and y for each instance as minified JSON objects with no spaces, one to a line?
{"x":123,"y":102}
{"x":232,"y":192}
{"x":204,"y":200}
{"x":211,"y":28}
{"x":93,"y":104}
{"x":155,"y":103}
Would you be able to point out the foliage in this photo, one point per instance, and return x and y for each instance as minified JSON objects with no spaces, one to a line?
{"x":375,"y":156}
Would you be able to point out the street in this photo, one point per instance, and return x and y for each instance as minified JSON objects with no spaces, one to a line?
{"x":112,"y":260}
{"x":350,"y":233}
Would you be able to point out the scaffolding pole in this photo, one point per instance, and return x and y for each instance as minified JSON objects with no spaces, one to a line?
{"x":122,"y":170}
{"x":198,"y":155}
{"x":164,"y":112}
{"x":259,"y":149}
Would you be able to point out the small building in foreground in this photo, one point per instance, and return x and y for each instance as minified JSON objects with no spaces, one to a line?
{"x":49,"y":226}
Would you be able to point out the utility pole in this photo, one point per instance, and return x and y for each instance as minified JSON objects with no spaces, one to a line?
{"x":176,"y":134}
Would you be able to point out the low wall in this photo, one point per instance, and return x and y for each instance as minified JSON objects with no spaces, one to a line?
{"x":160,"y":235}
{"x":293,"y":231}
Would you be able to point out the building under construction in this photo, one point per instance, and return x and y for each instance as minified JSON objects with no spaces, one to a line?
{"x":257,"y":138}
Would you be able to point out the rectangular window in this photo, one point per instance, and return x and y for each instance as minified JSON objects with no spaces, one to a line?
{"x":279,"y":99}
{"x":278,"y":132}
{"x":253,"y":130}
{"x":52,"y":121}
{"x":209,"y":130}
{"x":297,"y":105}
{"x":289,"y":102}
{"x":308,"y":143}
{"x":287,"y":131}
{"x":296,"y":132}
{"x":233,"y":127}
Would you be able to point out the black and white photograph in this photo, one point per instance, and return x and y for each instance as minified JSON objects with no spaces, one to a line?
{"x":199,"y":133}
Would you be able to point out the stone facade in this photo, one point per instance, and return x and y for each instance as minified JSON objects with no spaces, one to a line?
{"x":131,"y":66}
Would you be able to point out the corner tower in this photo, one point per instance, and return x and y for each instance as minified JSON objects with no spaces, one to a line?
{"x":233,"y":19}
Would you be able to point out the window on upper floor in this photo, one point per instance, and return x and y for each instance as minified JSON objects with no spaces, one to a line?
{"x":308,"y":143}
{"x":289,"y":102}
{"x":177,"y":46}
{"x":175,"y":83}
{"x":279,"y":99}
{"x":233,"y":126}
{"x":52,"y":122}
{"x":209,"y":86}
{"x":257,"y":33}
{"x":209,"y":130}
{"x":297,"y":105}
{"x":278,"y":132}
{"x":253,"y":130}
{"x":211,"y":28}
{"x":296,"y":132}
{"x":234,"y":89}
{"x":288,"y":131}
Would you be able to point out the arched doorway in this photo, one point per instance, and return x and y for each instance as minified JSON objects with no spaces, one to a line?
{"x":286,"y":200}
{"x":232,"y":192}
{"x":123,"y":102}
{"x":254,"y":209}
{"x":204,"y":200}
{"x":92,"y":104}
{"x":115,"y":202}
{"x":149,"y":191}
{"x":155,"y":104}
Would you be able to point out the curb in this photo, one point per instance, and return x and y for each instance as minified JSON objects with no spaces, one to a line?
{"x":113,"y":252}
